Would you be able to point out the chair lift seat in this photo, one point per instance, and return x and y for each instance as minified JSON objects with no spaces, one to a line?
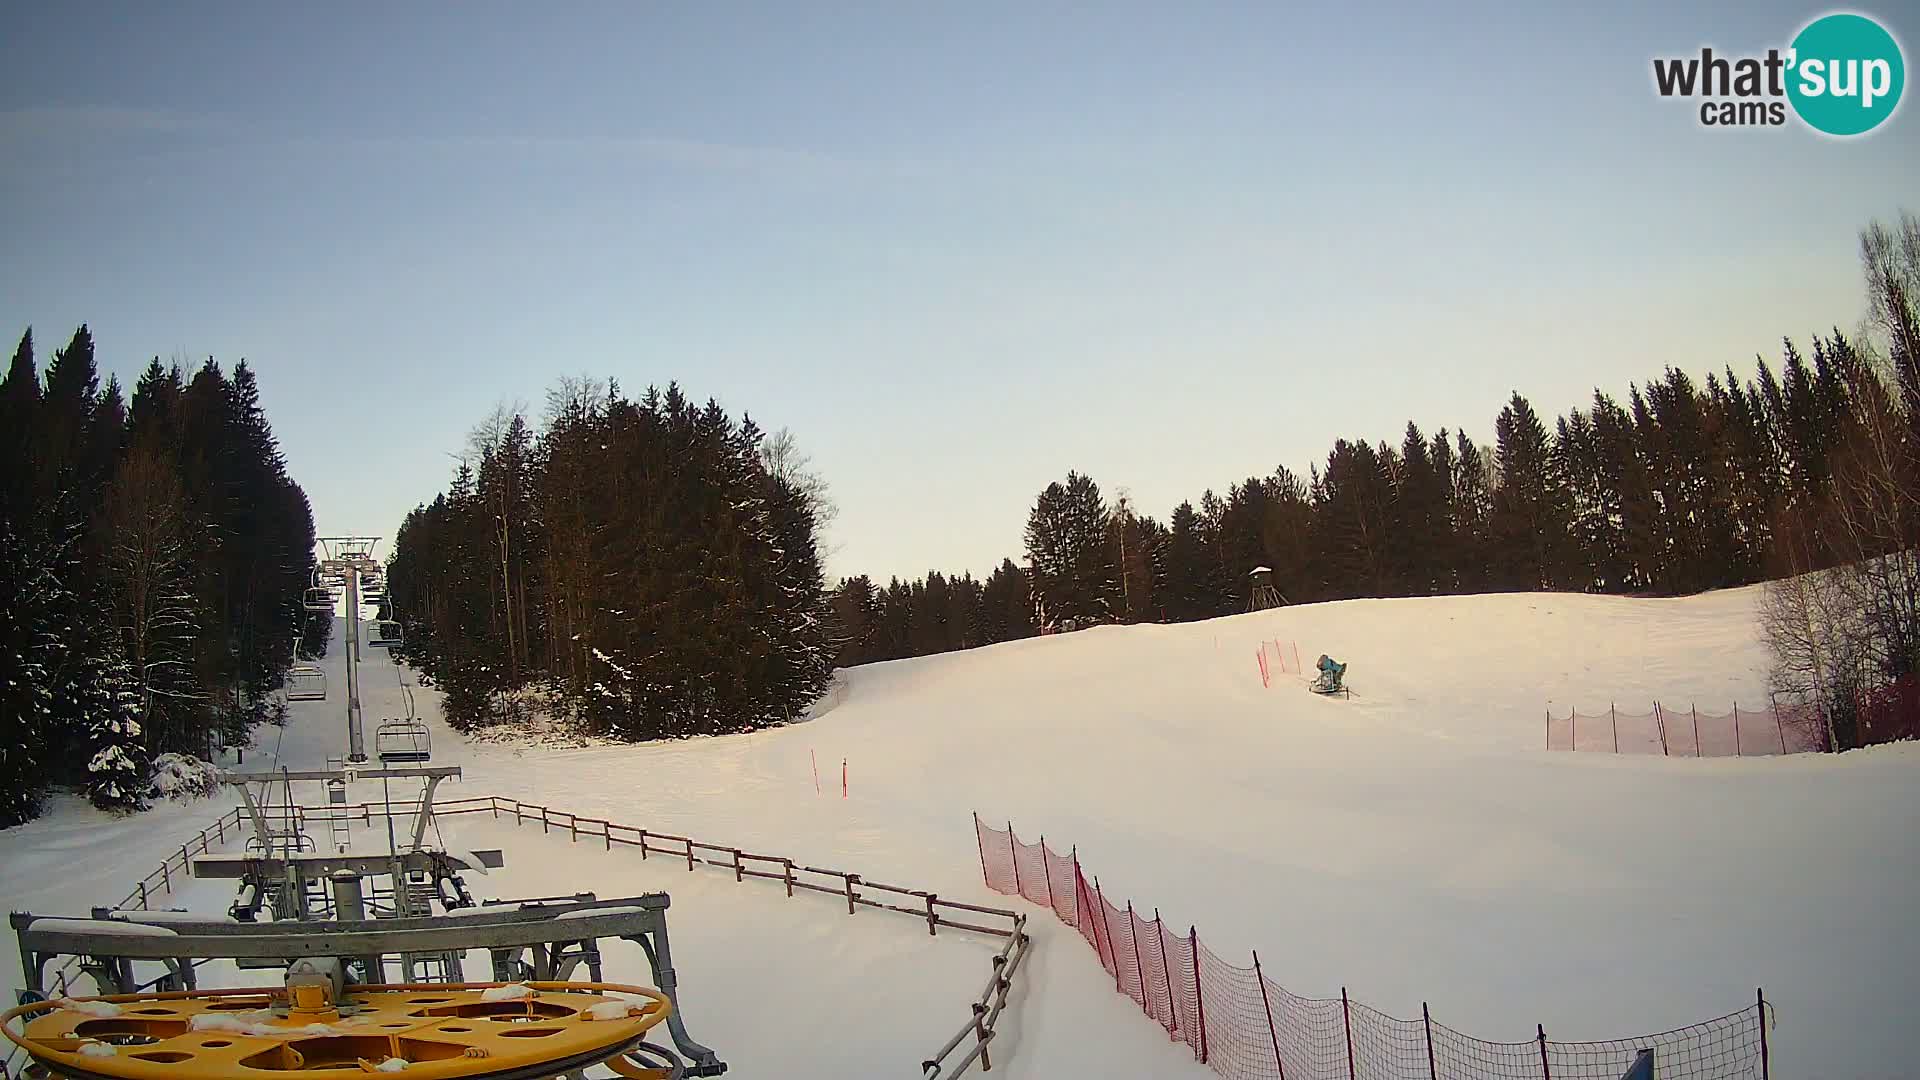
{"x":400,"y":741}
{"x":306,"y":683}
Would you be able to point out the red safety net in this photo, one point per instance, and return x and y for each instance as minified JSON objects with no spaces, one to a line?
{"x":1275,"y":658}
{"x":1242,"y":1024}
{"x":1692,"y":732}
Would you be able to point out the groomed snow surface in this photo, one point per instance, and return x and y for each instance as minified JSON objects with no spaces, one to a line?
{"x":1414,"y":843}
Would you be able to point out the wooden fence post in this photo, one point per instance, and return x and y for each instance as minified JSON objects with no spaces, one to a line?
{"x":1101,"y":899}
{"x":1268,"y":1005}
{"x":1346,"y":1023}
{"x":1078,"y":914}
{"x":1426,"y":1020}
{"x":643,"y":844}
{"x":1046,"y":868}
{"x":787,"y":874}
{"x":1660,"y":719}
{"x":1160,"y":931}
{"x":689,"y":853}
{"x":1199,"y":999}
{"x":1013,"y":854}
{"x":1697,"y":751}
{"x":980,"y":841}
{"x":1736,"y":729}
{"x":933,"y":919}
{"x":739,"y":872}
{"x":980,"y":1034}
{"x":1139,"y":970}
{"x":1545,"y":1072}
{"x":851,"y":878}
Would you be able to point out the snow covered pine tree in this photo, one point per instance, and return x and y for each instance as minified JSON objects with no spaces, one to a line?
{"x":117,"y":764}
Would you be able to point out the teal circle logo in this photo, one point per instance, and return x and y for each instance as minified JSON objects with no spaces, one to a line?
{"x":1846,"y":74}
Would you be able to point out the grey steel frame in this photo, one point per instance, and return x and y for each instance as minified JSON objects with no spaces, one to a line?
{"x":557,"y":945}
{"x":433,"y":777}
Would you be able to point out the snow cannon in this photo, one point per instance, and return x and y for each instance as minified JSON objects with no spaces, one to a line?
{"x":430,"y":1031}
{"x":1332,"y":677}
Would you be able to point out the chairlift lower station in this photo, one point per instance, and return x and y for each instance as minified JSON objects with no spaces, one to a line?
{"x":358,"y":948}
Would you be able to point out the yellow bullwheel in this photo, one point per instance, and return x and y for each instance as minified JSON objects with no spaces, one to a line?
{"x":429,"y":1031}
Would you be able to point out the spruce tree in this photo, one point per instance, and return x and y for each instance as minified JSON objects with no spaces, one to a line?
{"x":1446,"y":540}
{"x":19,"y":415}
{"x":1473,"y":516}
{"x":1529,"y":507}
{"x":1074,"y":577}
{"x":118,"y":765}
{"x":34,"y":607}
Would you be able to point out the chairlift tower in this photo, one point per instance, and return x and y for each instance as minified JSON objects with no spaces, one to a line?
{"x":350,"y":557}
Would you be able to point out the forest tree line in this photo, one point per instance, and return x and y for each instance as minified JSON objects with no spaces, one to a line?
{"x":652,"y":563}
{"x":1680,"y":489}
{"x":153,"y":556}
{"x":1682,"y":486}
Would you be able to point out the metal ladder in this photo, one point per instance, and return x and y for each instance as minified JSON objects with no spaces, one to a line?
{"x":339,"y":824}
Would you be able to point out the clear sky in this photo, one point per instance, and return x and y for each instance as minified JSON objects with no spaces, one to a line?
{"x":958,"y":252}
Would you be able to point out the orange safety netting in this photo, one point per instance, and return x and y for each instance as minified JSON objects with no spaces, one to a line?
{"x":1242,"y":1024}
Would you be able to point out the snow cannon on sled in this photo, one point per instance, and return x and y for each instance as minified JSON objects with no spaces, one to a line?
{"x":1332,"y":677}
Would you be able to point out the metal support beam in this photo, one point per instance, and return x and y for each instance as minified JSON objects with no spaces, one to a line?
{"x":426,"y":810}
{"x":356,"y":735}
{"x":253,"y":811}
{"x":441,"y":771}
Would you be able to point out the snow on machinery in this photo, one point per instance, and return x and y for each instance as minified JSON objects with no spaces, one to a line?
{"x":532,"y":1021}
{"x":334,"y":925}
{"x":352,"y":916}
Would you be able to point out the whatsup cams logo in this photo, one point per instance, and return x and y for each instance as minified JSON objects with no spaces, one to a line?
{"x":1841,"y":75}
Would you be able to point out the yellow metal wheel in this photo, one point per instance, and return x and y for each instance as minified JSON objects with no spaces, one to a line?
{"x":427,"y":1031}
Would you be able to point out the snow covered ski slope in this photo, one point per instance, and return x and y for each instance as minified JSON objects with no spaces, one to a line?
{"x":1413,"y":843}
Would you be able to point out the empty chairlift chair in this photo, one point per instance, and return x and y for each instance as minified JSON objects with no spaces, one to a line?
{"x":319,"y":600}
{"x":384,"y":633}
{"x":403,"y":741}
{"x":306,"y":683}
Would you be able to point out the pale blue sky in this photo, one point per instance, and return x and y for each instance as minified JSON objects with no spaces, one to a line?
{"x":958,"y":252}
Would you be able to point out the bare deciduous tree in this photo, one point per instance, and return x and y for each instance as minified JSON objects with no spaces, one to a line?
{"x":786,"y":462}
{"x":1856,"y":626}
{"x":145,"y":568}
